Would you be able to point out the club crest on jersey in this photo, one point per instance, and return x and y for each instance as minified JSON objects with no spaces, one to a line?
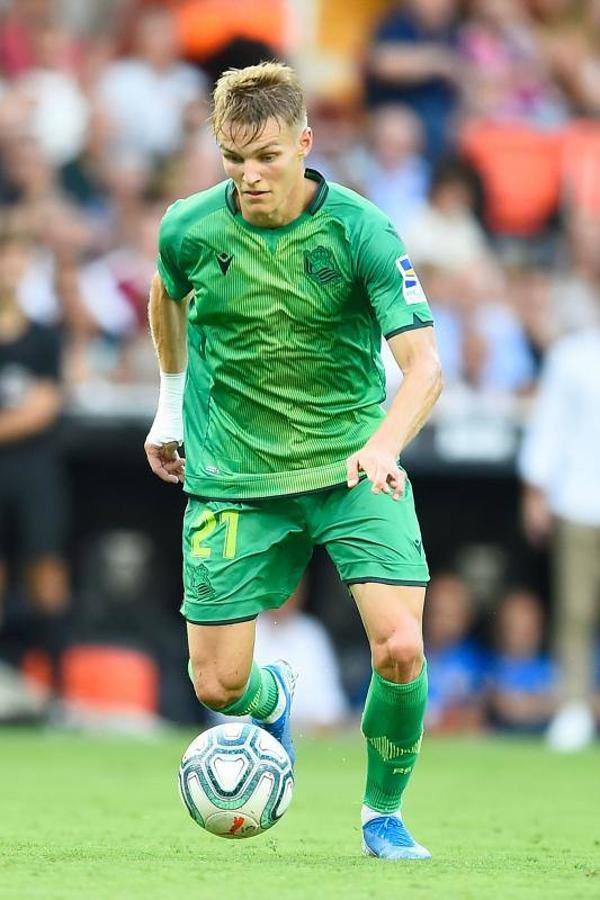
{"x":320,"y":266}
{"x":413,"y":292}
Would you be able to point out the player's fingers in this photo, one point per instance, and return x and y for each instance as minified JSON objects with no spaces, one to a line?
{"x":352,"y":470}
{"x":379,"y":479}
{"x":165,"y":475}
{"x":153,"y":454}
{"x":397,"y":482}
{"x":176,"y":467}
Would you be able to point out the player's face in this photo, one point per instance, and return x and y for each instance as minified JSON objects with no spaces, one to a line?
{"x":267,"y":169}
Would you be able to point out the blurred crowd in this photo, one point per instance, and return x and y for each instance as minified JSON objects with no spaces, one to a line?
{"x":474,"y":125}
{"x":474,"y":129}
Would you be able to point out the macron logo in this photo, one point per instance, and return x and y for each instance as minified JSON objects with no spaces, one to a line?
{"x":224,"y":260}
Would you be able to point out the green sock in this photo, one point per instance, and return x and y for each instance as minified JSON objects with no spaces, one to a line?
{"x":259,"y":698}
{"x":392,"y":724}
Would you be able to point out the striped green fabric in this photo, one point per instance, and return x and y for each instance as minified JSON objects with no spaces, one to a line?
{"x":285,"y":379}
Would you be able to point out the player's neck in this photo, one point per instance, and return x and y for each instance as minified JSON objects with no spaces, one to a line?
{"x":297,"y":201}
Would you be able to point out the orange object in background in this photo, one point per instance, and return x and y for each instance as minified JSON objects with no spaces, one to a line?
{"x":37,"y":671}
{"x":581,"y":166}
{"x":207,"y":26}
{"x":107,"y":678}
{"x":521,"y":171}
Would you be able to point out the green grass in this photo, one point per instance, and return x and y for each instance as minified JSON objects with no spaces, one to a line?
{"x":100,"y":818}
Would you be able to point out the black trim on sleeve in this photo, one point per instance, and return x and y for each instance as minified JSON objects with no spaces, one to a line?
{"x":416,"y":323}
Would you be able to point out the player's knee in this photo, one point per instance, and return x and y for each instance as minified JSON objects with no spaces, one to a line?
{"x":399,"y":657}
{"x":214,"y":692}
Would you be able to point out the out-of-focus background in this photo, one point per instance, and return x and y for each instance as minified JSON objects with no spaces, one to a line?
{"x":474,"y":126}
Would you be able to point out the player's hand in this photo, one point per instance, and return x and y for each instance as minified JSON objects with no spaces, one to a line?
{"x":381,"y":468}
{"x":165,"y":461}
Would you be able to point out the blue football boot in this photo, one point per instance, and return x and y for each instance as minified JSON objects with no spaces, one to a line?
{"x":281,"y":728}
{"x":388,"y":838}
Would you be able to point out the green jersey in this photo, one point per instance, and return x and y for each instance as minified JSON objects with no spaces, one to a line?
{"x":284,"y":376}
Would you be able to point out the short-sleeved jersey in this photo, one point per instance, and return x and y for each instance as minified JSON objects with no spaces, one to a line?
{"x":284,"y":377}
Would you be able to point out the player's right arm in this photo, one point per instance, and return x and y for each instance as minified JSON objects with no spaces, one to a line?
{"x":167,"y":314}
{"x":168,"y":327}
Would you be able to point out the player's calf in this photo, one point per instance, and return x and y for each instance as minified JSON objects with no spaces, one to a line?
{"x":278,"y":722}
{"x":267,"y":697}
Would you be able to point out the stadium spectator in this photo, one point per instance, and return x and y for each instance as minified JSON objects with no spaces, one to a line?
{"x":522,"y":679}
{"x":84,"y":179}
{"x":196,"y":167}
{"x":456,"y":662}
{"x":20,"y":28}
{"x":32,"y":494}
{"x":413,"y":60}
{"x":395,"y":176}
{"x":445,"y":231}
{"x":148,"y":96}
{"x":529,"y":290}
{"x":122,"y":278}
{"x":337,"y":152}
{"x":58,"y":232}
{"x":55,"y":108}
{"x":506,"y":77}
{"x":575,"y":287}
{"x":566,"y":34}
{"x":482,"y":343}
{"x":560,"y":467}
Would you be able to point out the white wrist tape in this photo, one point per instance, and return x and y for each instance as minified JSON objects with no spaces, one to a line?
{"x":168,"y":421}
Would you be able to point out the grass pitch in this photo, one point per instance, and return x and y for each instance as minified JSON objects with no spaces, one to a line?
{"x":100,"y":818}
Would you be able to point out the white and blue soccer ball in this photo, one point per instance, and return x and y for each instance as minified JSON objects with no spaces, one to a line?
{"x":236,"y":780}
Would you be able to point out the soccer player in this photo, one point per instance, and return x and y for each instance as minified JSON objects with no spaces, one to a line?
{"x":272,"y":293}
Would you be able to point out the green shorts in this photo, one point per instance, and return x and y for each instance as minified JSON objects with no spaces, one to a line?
{"x":240,"y":558}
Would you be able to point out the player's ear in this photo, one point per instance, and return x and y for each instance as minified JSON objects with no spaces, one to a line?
{"x":306,"y":141}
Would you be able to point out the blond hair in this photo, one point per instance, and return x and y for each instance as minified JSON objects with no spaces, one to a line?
{"x":246,"y":98}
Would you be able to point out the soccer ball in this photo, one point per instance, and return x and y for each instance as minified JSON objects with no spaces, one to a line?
{"x":236,"y":780}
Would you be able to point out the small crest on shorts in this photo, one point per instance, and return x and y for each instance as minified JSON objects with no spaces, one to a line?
{"x":320,"y":265}
{"x":200,"y":584}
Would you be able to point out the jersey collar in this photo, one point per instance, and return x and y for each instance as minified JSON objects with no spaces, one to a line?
{"x":313,"y":207}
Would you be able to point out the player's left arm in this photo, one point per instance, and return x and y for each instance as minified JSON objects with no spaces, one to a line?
{"x":415,"y":351}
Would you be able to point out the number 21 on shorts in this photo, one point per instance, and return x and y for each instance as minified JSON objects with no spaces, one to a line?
{"x":205,"y":527}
